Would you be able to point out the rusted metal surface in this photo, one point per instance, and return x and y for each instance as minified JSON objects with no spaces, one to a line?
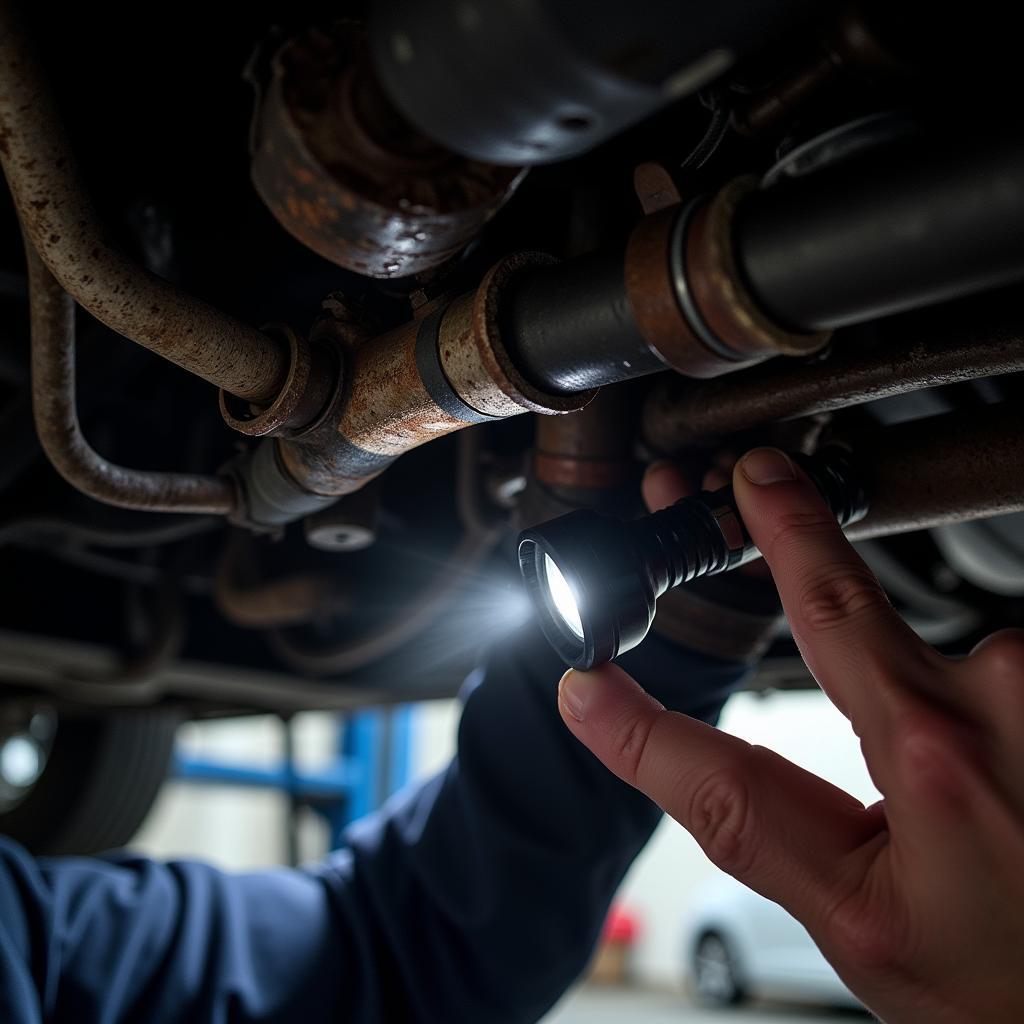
{"x":653,"y":301}
{"x":383,"y":410}
{"x":442,"y":372}
{"x":464,"y":364}
{"x":290,"y":601}
{"x":764,"y":111}
{"x":589,"y":449}
{"x":389,"y":409}
{"x":932,"y":354}
{"x":64,"y":227}
{"x":254,"y":603}
{"x":312,"y":375}
{"x":56,"y":418}
{"x":476,"y":360}
{"x":344,"y":173}
{"x":944,"y":469}
{"x":655,"y":187}
{"x":719,"y":294}
{"x":687,"y":295}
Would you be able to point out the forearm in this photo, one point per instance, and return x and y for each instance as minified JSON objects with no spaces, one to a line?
{"x":477,"y":897}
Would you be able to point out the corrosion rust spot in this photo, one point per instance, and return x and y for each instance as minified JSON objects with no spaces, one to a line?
{"x":350,"y":178}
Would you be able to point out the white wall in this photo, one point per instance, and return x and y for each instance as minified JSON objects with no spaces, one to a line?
{"x":232,"y":826}
{"x":434,"y":731}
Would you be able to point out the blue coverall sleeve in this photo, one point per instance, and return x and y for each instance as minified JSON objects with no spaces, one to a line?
{"x":475,"y":898}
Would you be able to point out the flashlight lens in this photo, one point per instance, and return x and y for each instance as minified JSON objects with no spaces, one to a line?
{"x":562,"y":597}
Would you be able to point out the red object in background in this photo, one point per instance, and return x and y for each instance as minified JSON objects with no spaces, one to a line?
{"x":620,"y":927}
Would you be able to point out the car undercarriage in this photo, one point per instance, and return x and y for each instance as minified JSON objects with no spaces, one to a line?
{"x":307,"y":311}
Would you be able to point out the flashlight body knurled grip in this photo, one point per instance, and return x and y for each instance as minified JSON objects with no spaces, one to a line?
{"x":704,"y":534}
{"x":613,"y":572}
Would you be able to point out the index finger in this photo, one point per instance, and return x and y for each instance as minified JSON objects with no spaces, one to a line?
{"x":854,"y":643}
{"x":779,"y":829}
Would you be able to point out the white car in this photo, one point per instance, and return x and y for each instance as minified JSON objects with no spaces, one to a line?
{"x":738,"y":945}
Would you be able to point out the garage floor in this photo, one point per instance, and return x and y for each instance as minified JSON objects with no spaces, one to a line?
{"x":593,"y":1005}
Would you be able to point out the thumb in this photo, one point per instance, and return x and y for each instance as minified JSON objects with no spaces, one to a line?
{"x":784,"y":832}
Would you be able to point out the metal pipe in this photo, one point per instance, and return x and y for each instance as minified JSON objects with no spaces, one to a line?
{"x":60,"y":219}
{"x":60,"y":434}
{"x":752,"y":273}
{"x":929,"y":354}
{"x":128,"y":570}
{"x":488,"y":354}
{"x":943,"y":469}
{"x":898,"y":228}
{"x":572,"y":325}
{"x":589,"y":450}
{"x":264,"y":604}
{"x":442,"y":372}
{"x":291,"y":601}
{"x":62,"y":533}
{"x":35,"y":662}
{"x":422,"y":611}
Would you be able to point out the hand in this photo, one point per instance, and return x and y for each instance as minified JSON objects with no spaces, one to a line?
{"x":665,"y":483}
{"x":917,"y":901}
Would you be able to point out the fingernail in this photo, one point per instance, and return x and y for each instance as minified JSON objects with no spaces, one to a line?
{"x":767,"y":466}
{"x":572,"y":694}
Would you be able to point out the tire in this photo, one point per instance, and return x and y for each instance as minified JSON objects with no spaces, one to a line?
{"x":101,"y":776}
{"x":716,"y":976}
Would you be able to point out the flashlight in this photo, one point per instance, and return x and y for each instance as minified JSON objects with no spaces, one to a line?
{"x":594,"y":579}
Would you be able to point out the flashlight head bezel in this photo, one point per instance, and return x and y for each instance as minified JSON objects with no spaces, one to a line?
{"x":609,"y":579}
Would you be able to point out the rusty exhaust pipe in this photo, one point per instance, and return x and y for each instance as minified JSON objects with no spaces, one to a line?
{"x":909,"y":356}
{"x":59,"y":218}
{"x":943,"y":469}
{"x":254,"y":603}
{"x":60,"y":434}
{"x":444,"y":371}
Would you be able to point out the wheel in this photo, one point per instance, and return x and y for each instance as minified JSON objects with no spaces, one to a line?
{"x":81,"y":785}
{"x":716,"y":978}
